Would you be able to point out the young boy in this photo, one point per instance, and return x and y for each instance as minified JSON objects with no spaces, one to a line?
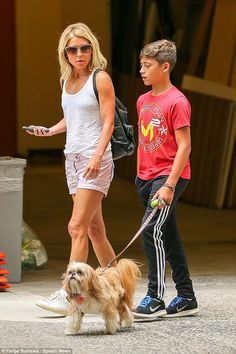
{"x":163,"y":171}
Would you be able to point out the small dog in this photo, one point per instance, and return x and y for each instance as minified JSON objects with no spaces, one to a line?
{"x":108,"y":291}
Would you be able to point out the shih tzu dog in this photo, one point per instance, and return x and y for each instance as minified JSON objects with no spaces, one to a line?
{"x":108,"y":291}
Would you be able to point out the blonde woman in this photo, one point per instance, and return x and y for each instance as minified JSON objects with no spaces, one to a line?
{"x":89,"y":165}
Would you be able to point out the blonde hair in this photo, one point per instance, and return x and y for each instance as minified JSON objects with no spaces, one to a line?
{"x":79,"y":30}
{"x":162,"y":50}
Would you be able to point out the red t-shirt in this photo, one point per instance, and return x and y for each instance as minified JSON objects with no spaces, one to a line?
{"x":158,"y":118}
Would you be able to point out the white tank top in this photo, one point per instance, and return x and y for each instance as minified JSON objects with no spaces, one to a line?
{"x":83,"y":120}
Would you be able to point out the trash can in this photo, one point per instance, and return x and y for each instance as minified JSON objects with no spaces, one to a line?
{"x":11,"y":213}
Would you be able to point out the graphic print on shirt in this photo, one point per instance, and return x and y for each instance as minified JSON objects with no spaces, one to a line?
{"x":152,"y":127}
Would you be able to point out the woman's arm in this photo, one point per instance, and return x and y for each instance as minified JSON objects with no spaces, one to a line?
{"x":58,"y":128}
{"x":106,"y":96}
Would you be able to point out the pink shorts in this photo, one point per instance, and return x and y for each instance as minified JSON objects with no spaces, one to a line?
{"x":75,"y":165}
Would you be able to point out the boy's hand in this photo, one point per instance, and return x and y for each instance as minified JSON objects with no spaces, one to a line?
{"x":165,"y":196}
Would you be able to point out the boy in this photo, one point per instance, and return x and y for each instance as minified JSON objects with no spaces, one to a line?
{"x":163,"y":171}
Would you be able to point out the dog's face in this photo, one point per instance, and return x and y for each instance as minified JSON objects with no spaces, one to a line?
{"x":78,"y":278}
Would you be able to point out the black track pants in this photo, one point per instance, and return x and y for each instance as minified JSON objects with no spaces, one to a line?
{"x":161,"y":241}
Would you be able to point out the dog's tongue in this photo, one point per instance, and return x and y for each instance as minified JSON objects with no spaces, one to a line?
{"x":79,"y":299}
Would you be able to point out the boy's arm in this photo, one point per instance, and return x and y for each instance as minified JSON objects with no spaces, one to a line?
{"x":183,"y":139}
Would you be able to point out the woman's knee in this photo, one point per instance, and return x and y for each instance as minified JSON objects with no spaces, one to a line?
{"x":76,"y":229}
{"x":96,"y":232}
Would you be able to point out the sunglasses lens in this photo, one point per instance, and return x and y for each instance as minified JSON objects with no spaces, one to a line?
{"x":85,"y":48}
{"x":71,"y":50}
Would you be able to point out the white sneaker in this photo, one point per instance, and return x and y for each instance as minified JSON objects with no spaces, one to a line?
{"x":57,"y":302}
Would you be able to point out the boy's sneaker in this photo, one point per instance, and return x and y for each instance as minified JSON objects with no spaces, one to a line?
{"x":57,"y":302}
{"x":182,"y":306}
{"x":149,"y":308}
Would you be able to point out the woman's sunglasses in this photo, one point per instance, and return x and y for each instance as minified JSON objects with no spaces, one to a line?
{"x":74,"y":50}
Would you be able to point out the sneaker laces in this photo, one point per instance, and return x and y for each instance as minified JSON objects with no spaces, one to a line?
{"x":177,"y":300}
{"x":146,"y":301}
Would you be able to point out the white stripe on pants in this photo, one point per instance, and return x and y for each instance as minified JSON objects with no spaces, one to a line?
{"x":160,"y":252}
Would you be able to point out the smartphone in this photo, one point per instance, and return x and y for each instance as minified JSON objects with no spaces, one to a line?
{"x":31,"y":130}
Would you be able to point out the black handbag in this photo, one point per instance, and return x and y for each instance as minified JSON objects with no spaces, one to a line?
{"x":122,"y":140}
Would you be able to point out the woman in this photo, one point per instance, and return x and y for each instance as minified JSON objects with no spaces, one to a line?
{"x":89,"y":165}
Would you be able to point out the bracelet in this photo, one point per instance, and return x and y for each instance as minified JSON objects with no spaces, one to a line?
{"x":169,"y":186}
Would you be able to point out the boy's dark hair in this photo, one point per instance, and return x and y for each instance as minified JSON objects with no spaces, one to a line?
{"x":162,"y":50}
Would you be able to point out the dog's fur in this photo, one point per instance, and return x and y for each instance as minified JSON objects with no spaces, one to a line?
{"x":108,"y":291}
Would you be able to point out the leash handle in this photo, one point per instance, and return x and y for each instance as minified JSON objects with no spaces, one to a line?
{"x":154,"y":204}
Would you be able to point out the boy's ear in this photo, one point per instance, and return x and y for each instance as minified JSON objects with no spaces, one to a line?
{"x":166,"y":66}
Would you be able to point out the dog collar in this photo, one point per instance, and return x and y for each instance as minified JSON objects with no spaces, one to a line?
{"x":79,"y":298}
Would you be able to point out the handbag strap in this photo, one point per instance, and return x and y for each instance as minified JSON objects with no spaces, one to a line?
{"x":94,"y":83}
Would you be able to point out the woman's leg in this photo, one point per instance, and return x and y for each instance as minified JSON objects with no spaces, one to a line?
{"x":97,"y":235}
{"x":86,"y":205}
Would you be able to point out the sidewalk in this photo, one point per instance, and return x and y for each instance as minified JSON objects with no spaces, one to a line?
{"x":209,"y":238}
{"x":213,"y":330}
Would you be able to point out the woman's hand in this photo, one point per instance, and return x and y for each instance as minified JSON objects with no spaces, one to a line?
{"x":93,"y":167}
{"x":38,"y":130}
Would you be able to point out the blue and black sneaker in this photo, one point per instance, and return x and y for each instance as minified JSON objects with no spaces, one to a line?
{"x":149,"y":308}
{"x":182,"y":306}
